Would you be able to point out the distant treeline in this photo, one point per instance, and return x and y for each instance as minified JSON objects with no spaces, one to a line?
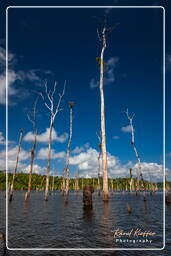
{"x":38,"y":182}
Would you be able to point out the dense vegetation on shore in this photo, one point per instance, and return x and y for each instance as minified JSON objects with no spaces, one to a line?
{"x":38,"y":182}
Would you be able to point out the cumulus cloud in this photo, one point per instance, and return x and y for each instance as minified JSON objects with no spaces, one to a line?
{"x":12,"y":154}
{"x":126,"y":129}
{"x":109,"y":73}
{"x":87,"y":164}
{"x":2,"y":139}
{"x":43,"y":154}
{"x":36,"y":169}
{"x":14,"y":76}
{"x":43,"y":137}
{"x":78,"y":150}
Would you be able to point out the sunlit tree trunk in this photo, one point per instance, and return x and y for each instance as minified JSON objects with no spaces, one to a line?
{"x":98,"y":181}
{"x":32,"y":119}
{"x":49,"y":159}
{"x":103,"y":134}
{"x":53,"y":113}
{"x":71,"y":104}
{"x":16,"y":166}
{"x":53,"y":182}
{"x":131,"y":181}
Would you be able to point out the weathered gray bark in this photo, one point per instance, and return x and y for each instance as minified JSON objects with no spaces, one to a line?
{"x":49,"y":159}
{"x":67,"y":171}
{"x":103,"y":134}
{"x":16,"y":166}
{"x":33,"y":121}
{"x":53,"y":113}
{"x":136,"y":153}
{"x":131,"y":181}
{"x":53,"y":182}
{"x":99,"y":165}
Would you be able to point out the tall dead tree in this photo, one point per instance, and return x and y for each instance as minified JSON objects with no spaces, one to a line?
{"x":53,"y":112}
{"x":32,"y":119}
{"x":99,"y":165}
{"x":67,"y":172}
{"x":53,"y":182}
{"x":103,"y":33}
{"x":135,"y":150}
{"x":76,"y":182}
{"x":16,"y":166}
{"x":131,"y":181}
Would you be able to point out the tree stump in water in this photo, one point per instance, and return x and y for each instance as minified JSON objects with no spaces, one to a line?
{"x":168,"y":201}
{"x":87,"y":196}
{"x":3,"y":249}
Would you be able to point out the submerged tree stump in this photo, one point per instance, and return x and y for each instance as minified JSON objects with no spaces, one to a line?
{"x":168,"y":201}
{"x":87,"y":196}
{"x":3,"y":248}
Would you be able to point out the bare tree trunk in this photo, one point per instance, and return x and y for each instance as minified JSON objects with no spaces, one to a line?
{"x":76,"y":183}
{"x":27,"y":195}
{"x":32,"y":119}
{"x":49,"y":159}
{"x":53,"y":182}
{"x":71,"y":104}
{"x":99,"y":187}
{"x":53,"y":113}
{"x":63,"y":183}
{"x":103,"y":135}
{"x":131,"y":181}
{"x":16,"y":166}
{"x":82,"y":184}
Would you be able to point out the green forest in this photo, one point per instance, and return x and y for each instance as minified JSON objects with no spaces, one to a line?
{"x":38,"y":182}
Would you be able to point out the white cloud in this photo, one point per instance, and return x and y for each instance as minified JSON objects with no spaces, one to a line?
{"x":110,"y":66}
{"x":94,"y":83}
{"x":12,"y":154}
{"x":43,"y":137}
{"x":126,"y":129}
{"x":13,"y":76}
{"x":109,"y":73}
{"x":87,"y":164}
{"x":168,"y":61}
{"x":43,"y":154}
{"x":36,"y":169}
{"x":78,"y":150}
{"x":2,"y":139}
{"x":115,"y":137}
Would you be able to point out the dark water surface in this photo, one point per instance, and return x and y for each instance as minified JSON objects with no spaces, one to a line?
{"x":53,"y":224}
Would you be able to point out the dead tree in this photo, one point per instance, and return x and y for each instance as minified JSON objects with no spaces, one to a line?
{"x":167,"y":190}
{"x":16,"y":165}
{"x":82,"y":183}
{"x":135,"y":150}
{"x":99,"y":165}
{"x":53,"y":112}
{"x":103,"y":33}
{"x":53,"y":182}
{"x":76,"y":182}
{"x":32,"y":119}
{"x":131,"y":181}
{"x":67,"y":172}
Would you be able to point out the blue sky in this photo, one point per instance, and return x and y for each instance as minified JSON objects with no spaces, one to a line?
{"x":62,"y":44}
